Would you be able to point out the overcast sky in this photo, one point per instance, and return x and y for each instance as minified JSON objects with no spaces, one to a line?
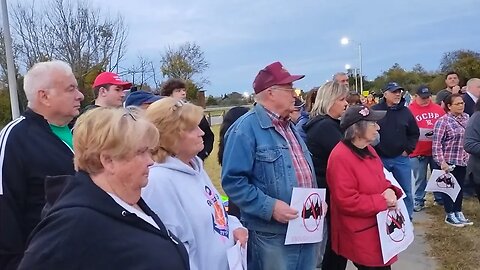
{"x":239,"y":37}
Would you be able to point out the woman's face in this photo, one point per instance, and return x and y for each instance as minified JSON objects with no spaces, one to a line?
{"x":338,"y":107}
{"x":131,"y":172}
{"x":371,"y":133}
{"x":190,"y":143}
{"x":457,"y":105}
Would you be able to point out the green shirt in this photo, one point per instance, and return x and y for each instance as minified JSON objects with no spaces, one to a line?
{"x":64,"y":134}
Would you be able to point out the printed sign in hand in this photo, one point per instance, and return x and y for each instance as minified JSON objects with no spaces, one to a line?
{"x":394,"y":181}
{"x":237,"y":257}
{"x":395,"y":230}
{"x":443,"y":182}
{"x":311,"y":206}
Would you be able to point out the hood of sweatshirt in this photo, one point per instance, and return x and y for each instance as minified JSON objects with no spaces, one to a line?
{"x":177,"y":165}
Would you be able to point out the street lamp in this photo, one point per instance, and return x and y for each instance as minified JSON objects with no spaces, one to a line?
{"x":347,"y":66}
{"x":346,"y":41}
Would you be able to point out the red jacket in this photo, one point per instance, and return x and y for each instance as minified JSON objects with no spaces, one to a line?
{"x":356,"y":187}
{"x":426,"y":116}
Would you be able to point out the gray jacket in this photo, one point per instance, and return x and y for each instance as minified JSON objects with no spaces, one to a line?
{"x":472,"y":146}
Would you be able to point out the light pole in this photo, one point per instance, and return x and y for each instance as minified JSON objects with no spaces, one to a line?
{"x":12,"y":79}
{"x":346,"y":41}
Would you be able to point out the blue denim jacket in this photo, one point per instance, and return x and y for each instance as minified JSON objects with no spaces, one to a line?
{"x":258,"y":169}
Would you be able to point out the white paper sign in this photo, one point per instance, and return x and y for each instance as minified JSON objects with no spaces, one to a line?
{"x":237,"y":257}
{"x":311,"y":206}
{"x":395,"y":230}
{"x":443,"y":182}
{"x":394,"y":181}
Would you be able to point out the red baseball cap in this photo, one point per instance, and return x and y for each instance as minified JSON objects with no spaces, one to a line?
{"x":110,"y":78}
{"x":273,"y":74}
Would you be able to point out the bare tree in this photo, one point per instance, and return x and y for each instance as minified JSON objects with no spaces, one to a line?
{"x":186,"y":62}
{"x":72,"y":31}
{"x":142,"y":72}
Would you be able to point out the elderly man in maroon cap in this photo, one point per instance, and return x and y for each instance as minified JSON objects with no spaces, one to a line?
{"x":264,"y":159}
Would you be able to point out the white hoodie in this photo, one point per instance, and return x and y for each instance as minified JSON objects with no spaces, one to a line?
{"x":190,"y":206}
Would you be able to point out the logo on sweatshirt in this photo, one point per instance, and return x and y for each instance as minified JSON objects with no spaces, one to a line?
{"x":429,"y":118}
{"x":219,"y":215}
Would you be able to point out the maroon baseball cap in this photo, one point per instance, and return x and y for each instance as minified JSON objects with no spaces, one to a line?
{"x":110,"y":78}
{"x":273,"y":74}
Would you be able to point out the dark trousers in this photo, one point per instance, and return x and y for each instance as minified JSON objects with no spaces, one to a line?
{"x":331,"y":260}
{"x":449,"y":205}
{"x":363,"y":267}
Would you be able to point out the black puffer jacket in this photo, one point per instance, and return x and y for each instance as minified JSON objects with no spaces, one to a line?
{"x":87,"y":229}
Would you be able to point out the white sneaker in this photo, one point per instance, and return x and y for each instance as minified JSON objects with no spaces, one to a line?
{"x":463,"y":219}
{"x":452,"y":220}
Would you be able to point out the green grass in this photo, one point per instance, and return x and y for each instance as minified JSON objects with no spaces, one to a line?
{"x":211,"y":164}
{"x":454,"y":248}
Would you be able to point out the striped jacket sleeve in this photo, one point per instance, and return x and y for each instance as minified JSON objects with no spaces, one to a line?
{"x":12,"y":198}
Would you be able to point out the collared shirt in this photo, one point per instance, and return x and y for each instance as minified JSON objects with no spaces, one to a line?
{"x":300,"y":164}
{"x":448,"y":140}
{"x":474,"y":98}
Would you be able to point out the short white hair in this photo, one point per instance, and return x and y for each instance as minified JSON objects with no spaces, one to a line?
{"x":40,"y":77}
{"x":472,"y":81}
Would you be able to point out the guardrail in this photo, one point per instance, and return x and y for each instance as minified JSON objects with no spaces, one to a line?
{"x":211,"y":112}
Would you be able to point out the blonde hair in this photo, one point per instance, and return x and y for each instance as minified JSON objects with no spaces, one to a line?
{"x":171,"y":117}
{"x":117,"y":131}
{"x":327,"y":94}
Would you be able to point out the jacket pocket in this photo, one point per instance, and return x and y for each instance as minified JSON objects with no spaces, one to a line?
{"x":271,"y":170}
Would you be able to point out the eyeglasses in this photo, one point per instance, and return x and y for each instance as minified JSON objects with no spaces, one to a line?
{"x":129,"y":112}
{"x":177,"y":105}
{"x":283,"y":88}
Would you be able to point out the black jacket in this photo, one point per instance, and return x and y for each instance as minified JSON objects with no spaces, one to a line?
{"x":87,"y":229}
{"x":398,"y":130}
{"x":469,"y":104}
{"x":30,"y":151}
{"x":323,"y":134}
{"x":208,"y":139}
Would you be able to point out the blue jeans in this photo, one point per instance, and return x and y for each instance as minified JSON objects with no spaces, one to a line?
{"x":402,"y":171}
{"x":267,"y":251}
{"x":419,"y":168}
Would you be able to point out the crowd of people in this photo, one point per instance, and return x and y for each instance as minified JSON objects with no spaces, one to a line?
{"x":121,"y":183}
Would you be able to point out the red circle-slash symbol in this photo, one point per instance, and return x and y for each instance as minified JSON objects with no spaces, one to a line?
{"x":395,"y":225}
{"x":312,"y":208}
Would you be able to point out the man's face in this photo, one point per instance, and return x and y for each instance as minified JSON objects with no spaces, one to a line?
{"x":452,"y":80}
{"x":393,"y":97}
{"x":422,"y":101}
{"x":113,"y":96}
{"x":179,"y":93}
{"x":474,"y":88}
{"x":283,"y":97}
{"x":64,"y":97}
{"x":342,"y":79}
